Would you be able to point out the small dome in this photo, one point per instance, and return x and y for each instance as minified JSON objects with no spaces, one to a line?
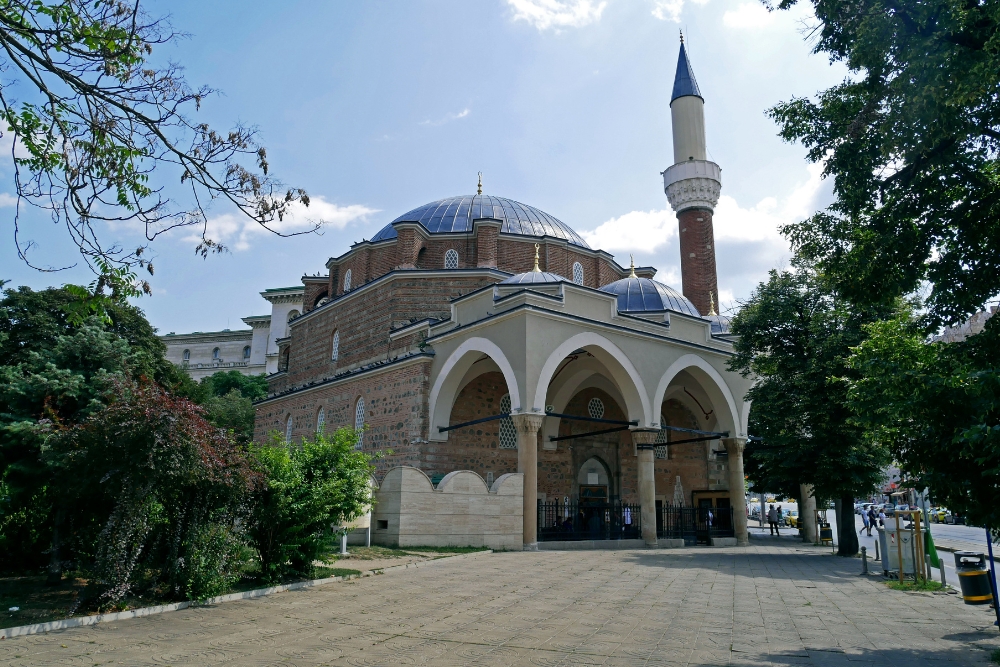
{"x":642,"y":295}
{"x":534,"y":278}
{"x":456,"y":214}
{"x":720,"y":324}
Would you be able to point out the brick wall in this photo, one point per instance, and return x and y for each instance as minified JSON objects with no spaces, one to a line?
{"x":395,"y":409}
{"x":364,"y":322}
{"x":689,"y":460}
{"x":698,"y":274}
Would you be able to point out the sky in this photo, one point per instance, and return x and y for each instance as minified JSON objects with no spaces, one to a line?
{"x":376,"y":108}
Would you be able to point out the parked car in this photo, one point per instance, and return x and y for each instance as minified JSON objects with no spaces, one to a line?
{"x":792,"y":518}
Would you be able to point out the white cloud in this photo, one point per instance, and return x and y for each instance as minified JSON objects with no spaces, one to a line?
{"x":749,"y":15}
{"x":545,"y":14}
{"x":670,"y":10}
{"x":447,"y":118}
{"x":761,"y":221}
{"x":7,"y":200}
{"x":238,"y":231}
{"x":638,"y":231}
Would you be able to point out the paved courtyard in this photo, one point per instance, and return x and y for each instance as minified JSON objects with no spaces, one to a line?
{"x":775,"y":603}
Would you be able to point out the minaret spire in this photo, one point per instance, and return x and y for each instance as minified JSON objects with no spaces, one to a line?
{"x":692,"y":186}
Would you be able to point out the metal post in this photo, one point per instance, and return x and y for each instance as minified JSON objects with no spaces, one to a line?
{"x":864,"y":560}
{"x":993,"y":576}
{"x":368,"y":535}
{"x":899,"y":545}
{"x":343,"y":543}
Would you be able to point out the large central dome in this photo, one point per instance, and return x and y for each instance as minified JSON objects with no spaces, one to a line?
{"x":456,"y":214}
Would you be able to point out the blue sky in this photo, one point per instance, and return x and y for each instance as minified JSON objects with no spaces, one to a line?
{"x":378,"y":107}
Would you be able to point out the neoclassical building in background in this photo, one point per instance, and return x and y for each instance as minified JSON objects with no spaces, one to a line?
{"x":497,"y":356}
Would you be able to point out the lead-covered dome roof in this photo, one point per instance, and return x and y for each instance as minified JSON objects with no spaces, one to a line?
{"x":534,"y":278}
{"x":643,"y":295}
{"x":456,"y":214}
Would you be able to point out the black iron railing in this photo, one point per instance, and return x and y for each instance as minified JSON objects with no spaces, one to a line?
{"x":588,"y":521}
{"x":694,"y":525}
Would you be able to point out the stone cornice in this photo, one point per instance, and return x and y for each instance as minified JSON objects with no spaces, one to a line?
{"x":208,"y":336}
{"x":693,"y":184}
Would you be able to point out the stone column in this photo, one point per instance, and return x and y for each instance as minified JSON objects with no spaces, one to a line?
{"x":527,"y":426}
{"x":737,"y":488}
{"x":807,"y":513}
{"x":643,"y":439}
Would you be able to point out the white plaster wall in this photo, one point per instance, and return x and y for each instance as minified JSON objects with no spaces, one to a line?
{"x":687,"y":115}
{"x":461,"y":512}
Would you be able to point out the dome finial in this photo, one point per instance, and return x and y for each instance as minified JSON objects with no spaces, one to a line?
{"x":682,"y":36}
{"x":479,"y":189}
{"x":711,"y":304}
{"x":632,"y":267}
{"x":536,"y":269}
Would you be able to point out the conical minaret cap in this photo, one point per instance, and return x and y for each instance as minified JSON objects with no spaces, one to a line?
{"x":684,"y":82}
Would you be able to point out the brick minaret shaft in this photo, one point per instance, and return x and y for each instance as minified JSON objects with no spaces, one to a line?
{"x":698,"y":274}
{"x":692,"y":186}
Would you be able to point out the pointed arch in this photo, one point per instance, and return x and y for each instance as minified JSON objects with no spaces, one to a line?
{"x":620,"y":367}
{"x":447,"y":384}
{"x":712,"y":383}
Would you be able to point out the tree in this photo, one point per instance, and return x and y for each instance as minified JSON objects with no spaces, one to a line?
{"x":153,"y":493}
{"x":312,"y":489}
{"x":101,"y":133}
{"x":935,"y":407}
{"x":911,"y":139}
{"x":794,"y":337}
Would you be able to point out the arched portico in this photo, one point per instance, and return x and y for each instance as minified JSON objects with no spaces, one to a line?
{"x":455,"y":371}
{"x":618,"y":365}
{"x":712,"y":383}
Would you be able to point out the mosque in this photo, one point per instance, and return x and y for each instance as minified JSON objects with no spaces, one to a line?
{"x":553,"y":392}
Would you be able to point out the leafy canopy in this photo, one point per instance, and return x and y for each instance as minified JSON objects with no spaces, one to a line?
{"x":911,"y":140}
{"x":102,"y":133}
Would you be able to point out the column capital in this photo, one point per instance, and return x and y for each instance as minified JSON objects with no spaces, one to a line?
{"x":734,"y":446}
{"x":643,"y":438}
{"x":528,"y":422}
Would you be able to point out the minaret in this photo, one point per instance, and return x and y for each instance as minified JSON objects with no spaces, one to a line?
{"x":692,"y":186}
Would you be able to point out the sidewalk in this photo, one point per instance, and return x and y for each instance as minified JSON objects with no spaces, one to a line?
{"x":777,"y":603}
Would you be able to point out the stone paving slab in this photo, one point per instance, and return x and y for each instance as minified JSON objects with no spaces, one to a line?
{"x":772,"y":605}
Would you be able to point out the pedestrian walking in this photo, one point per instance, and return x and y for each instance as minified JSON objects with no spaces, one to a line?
{"x":868,"y":525}
{"x":872,"y":520}
{"x":772,"y":520}
{"x":881,"y":517}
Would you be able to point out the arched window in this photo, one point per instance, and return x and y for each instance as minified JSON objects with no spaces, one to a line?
{"x":320,"y":420}
{"x":347,"y":281}
{"x":246,"y":352}
{"x":451,"y":259}
{"x":288,"y":429}
{"x":595,"y":408}
{"x":215,"y":354}
{"x":508,"y":434}
{"x":662,"y":438}
{"x":335,"y":351}
{"x":578,"y":273}
{"x":187,"y":355}
{"x":292,"y":314}
{"x":359,"y":422}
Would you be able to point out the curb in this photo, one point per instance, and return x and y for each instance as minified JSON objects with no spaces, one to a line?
{"x":83,"y":621}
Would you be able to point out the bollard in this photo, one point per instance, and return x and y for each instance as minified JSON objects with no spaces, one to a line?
{"x":876,"y":550}
{"x":864,"y":560}
{"x":343,"y":543}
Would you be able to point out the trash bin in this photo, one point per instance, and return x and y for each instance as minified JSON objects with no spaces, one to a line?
{"x":825,"y":534}
{"x":973,"y":577}
{"x":890,"y":548}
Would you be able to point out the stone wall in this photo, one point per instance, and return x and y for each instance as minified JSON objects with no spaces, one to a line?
{"x":460,"y":512}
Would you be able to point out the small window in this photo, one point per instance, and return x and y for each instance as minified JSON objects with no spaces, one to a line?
{"x":187,"y":355}
{"x":288,"y":429}
{"x":292,"y":314}
{"x":335,"y":351}
{"x":508,"y":434}
{"x":381,"y":524}
{"x":662,"y":438}
{"x":359,"y":422}
{"x":347,"y":281}
{"x":578,"y":273}
{"x":215,"y":354}
{"x":451,"y":259}
{"x":246,"y":352}
{"x":595,"y":408}
{"x":320,"y":420}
